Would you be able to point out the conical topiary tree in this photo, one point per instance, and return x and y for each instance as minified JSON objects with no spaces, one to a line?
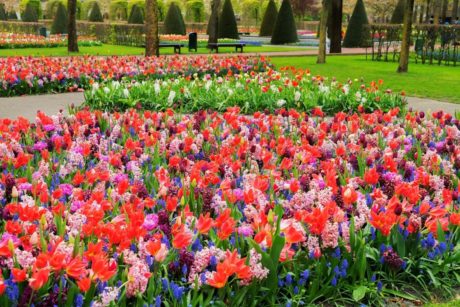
{"x":268,"y":23}
{"x":227,"y":22}
{"x":59,"y":25}
{"x":95,"y":14}
{"x":285,"y":30}
{"x":30,"y":14}
{"x":174,"y":22}
{"x":398,"y":13}
{"x":136,"y":16}
{"x":357,"y":32}
{"x":12,"y":15}
{"x":3,"y":15}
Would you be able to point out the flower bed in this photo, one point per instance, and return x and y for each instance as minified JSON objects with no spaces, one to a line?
{"x":251,"y":92}
{"x":15,"y":41}
{"x":20,"y":75}
{"x":208,"y":208}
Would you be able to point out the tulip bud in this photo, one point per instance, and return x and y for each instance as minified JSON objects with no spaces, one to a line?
{"x":14,"y":192}
{"x":193,"y":183}
{"x":11,"y":246}
{"x":33,"y":239}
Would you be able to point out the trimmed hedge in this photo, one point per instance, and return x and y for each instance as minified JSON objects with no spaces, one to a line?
{"x":59,"y":25}
{"x":136,"y":16}
{"x":174,"y":23}
{"x":398,"y":13}
{"x":30,"y":13}
{"x":36,"y":4}
{"x":285,"y":30}
{"x":357,"y":31}
{"x":268,"y":23}
{"x":227,"y":22}
{"x":95,"y":15}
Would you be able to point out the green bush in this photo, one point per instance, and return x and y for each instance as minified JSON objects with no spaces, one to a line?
{"x":119,"y":10}
{"x":174,"y":23}
{"x":30,"y":13}
{"x":285,"y":30}
{"x":398,"y":13}
{"x":227,"y":22}
{"x":195,"y":10}
{"x":3,"y":15}
{"x":136,"y":16}
{"x":268,"y":24}
{"x":36,"y":4}
{"x":357,"y":32}
{"x":95,"y":14}
{"x":59,"y":25}
{"x":12,"y":15}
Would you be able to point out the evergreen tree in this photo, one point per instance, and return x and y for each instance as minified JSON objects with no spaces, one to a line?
{"x":3,"y":15}
{"x":357,"y":32}
{"x":12,"y":15}
{"x":60,"y":20}
{"x":174,"y":23}
{"x":136,"y":16}
{"x":285,"y":30}
{"x":398,"y":13}
{"x":30,"y":14}
{"x":227,"y":22}
{"x":268,"y":23}
{"x":95,"y":15}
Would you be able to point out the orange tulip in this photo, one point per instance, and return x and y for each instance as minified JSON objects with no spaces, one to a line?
{"x":84,"y":284}
{"x":39,"y":278}
{"x":18,"y":275}
{"x":218,"y":280}
{"x":293,"y":235}
{"x":204,"y":223}
{"x":76,"y":268}
{"x":182,"y":239}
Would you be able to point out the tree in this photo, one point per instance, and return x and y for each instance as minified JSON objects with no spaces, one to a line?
{"x":174,"y":23}
{"x":285,"y":30}
{"x":323,"y":32}
{"x":136,"y":16}
{"x":444,"y":10}
{"x":12,"y":15}
{"x":213,"y":25}
{"x":407,"y":30}
{"x":357,"y":32}
{"x":455,"y":10}
{"x":437,"y":11}
{"x":3,"y":15}
{"x":398,"y":13}
{"x":60,"y":21}
{"x":72,"y":40}
{"x":301,"y":7}
{"x":95,"y":15}
{"x":152,"y":41}
{"x":30,"y":14}
{"x":271,"y":13}
{"x":227,"y":22}
{"x":335,"y":26}
{"x":195,"y":10}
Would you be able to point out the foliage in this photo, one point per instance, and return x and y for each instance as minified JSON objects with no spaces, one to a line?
{"x":195,"y":10}
{"x":3,"y":14}
{"x":251,"y":10}
{"x":301,"y":8}
{"x":30,"y":13}
{"x":12,"y":15}
{"x":59,"y":25}
{"x":136,"y":16}
{"x":119,"y":10}
{"x":227,"y":22}
{"x":95,"y":14}
{"x":174,"y":22}
{"x":285,"y":30}
{"x":398,"y":13}
{"x":36,"y":5}
{"x":269,"y":20}
{"x":357,"y":34}
{"x":51,"y":8}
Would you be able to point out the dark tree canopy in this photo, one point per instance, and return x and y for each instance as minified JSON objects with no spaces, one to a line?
{"x":3,"y":15}
{"x":30,"y":13}
{"x":398,"y":13}
{"x":60,"y":21}
{"x":174,"y":22}
{"x":357,"y":33}
{"x":136,"y":16}
{"x":95,"y":14}
{"x":268,"y":23}
{"x":285,"y":30}
{"x":227,"y":22}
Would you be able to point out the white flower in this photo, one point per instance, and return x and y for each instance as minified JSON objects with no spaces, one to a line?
{"x":297,"y":96}
{"x":358,"y":96}
{"x":106,"y":90}
{"x":230,"y":91}
{"x":346,"y":89}
{"x":280,"y":103}
{"x":156,"y":87}
{"x":172,"y":95}
{"x":125,"y":93}
{"x":208,"y":84}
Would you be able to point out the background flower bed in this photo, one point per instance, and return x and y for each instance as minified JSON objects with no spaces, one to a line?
{"x":14,"y":41}
{"x":208,"y":208}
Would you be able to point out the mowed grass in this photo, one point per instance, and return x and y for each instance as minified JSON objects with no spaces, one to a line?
{"x":429,"y":81}
{"x":127,"y":50}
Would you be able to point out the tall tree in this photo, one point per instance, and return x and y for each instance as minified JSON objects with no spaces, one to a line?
{"x":271,"y":13}
{"x":428,"y":11}
{"x":437,"y":11}
{"x":398,"y":13}
{"x":213,"y":27}
{"x":407,"y":30}
{"x":72,"y":40}
{"x":357,"y":32}
{"x":444,"y":10}
{"x":152,"y":41}
{"x":334,"y":27}
{"x":227,"y":22}
{"x":323,"y":32}
{"x":455,"y":10}
{"x":285,"y":30}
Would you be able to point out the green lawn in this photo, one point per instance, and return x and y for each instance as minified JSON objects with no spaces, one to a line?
{"x":431,"y":81}
{"x":126,"y":50}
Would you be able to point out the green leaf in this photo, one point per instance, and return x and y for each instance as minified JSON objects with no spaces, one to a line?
{"x":359,"y":293}
{"x":440,"y":232}
{"x":400,"y":294}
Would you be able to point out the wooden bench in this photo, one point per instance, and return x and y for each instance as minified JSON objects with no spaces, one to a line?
{"x":216,"y":46}
{"x":174,"y":45}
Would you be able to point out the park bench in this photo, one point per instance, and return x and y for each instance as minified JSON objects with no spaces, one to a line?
{"x":244,"y":33}
{"x":176,"y":46}
{"x":215,"y":46}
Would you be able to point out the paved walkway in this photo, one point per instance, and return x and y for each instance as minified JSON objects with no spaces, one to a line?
{"x":27,"y":106}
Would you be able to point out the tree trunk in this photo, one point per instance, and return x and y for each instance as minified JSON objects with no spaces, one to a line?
{"x":437,"y":11}
{"x":422,"y":11}
{"x":152,"y":40}
{"x":444,"y":10}
{"x":455,"y":11}
{"x":407,"y":30}
{"x":72,"y":40}
{"x":428,"y":11}
{"x":335,"y":25}
{"x":323,"y":33}
{"x":213,"y":28}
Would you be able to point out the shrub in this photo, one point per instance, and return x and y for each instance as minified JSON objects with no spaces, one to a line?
{"x":30,"y":13}
{"x":59,"y":25}
{"x":357,"y":32}
{"x":36,"y":4}
{"x":285,"y":30}
{"x":174,"y":23}
{"x":95,"y":14}
{"x":271,"y":13}
{"x":227,"y":22}
{"x":195,"y":10}
{"x":52,"y":6}
{"x":12,"y":15}
{"x":136,"y":16}
{"x":398,"y":13}
{"x":119,"y":10}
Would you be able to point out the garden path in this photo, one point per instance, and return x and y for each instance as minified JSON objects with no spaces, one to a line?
{"x":27,"y":106}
